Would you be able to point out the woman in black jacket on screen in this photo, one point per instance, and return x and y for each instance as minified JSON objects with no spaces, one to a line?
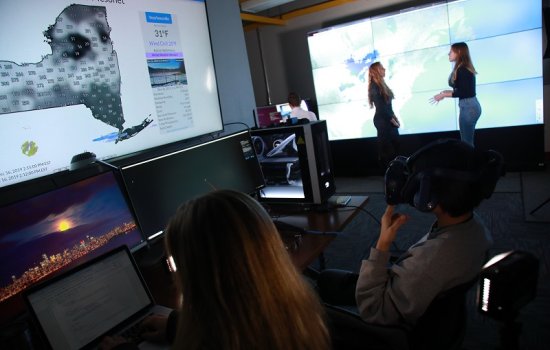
{"x":385,"y":121}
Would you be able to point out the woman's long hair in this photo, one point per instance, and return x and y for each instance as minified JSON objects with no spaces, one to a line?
{"x":375,"y":76}
{"x":463,"y":58}
{"x":239,"y":287}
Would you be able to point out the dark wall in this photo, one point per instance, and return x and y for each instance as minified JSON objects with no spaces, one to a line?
{"x":231,"y":62}
{"x":297,"y":62}
{"x":522,"y":148}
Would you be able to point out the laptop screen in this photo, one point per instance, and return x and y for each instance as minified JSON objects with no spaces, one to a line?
{"x":285,"y":109}
{"x":44,"y":235}
{"x":267,"y":116}
{"x":82,"y":305}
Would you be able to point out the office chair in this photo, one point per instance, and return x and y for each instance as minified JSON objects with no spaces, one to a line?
{"x":348,"y":331}
{"x":442,"y":327}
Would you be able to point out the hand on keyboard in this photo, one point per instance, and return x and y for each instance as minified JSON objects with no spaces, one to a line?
{"x":153,"y":328}
{"x":133,"y":334}
{"x":108,"y":342}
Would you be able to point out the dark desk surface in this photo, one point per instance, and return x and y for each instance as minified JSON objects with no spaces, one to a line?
{"x":325,"y":224}
{"x":329,"y":220}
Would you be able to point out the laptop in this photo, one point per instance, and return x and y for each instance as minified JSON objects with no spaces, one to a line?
{"x":104,"y":296}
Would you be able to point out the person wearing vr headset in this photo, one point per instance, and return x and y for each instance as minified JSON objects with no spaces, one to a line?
{"x":448,"y":178}
{"x":385,"y":121}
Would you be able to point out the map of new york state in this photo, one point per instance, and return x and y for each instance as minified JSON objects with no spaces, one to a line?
{"x":82,"y":69}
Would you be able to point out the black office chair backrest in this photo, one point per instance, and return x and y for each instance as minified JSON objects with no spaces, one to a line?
{"x":337,"y":287}
{"x":443,"y":324}
{"x":441,"y":327}
{"x":348,"y":331}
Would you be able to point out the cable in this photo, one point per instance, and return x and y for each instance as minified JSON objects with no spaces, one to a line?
{"x":363,"y":210}
{"x":235,"y":123}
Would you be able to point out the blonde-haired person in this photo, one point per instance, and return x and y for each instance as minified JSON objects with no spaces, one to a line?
{"x":386,"y":123}
{"x":239,"y":288}
{"x":463,"y":81}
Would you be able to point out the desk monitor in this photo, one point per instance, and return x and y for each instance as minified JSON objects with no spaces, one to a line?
{"x":284,"y":108}
{"x":296,"y":163}
{"x":158,"y":186}
{"x":44,"y":235}
{"x":268,"y":116}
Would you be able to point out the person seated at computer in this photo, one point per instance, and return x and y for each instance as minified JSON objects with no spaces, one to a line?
{"x":239,"y":288}
{"x":296,"y":111}
{"x":448,"y":178}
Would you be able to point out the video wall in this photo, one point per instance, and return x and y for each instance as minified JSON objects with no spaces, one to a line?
{"x":505,"y":41}
{"x":110,"y":77}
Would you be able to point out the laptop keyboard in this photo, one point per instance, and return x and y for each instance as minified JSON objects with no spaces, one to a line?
{"x":132,"y":334}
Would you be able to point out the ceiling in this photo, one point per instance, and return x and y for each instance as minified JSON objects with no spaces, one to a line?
{"x":255,"y":13}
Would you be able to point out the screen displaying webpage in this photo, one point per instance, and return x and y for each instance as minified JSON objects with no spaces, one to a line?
{"x":111,"y":77}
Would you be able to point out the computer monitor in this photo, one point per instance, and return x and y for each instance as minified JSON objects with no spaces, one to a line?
{"x":284,"y":108}
{"x":158,"y":186}
{"x":267,"y":116}
{"x":46,"y":234}
{"x":114,"y":77}
{"x":296,"y":163}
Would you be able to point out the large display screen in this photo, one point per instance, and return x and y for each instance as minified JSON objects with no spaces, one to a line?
{"x":111,"y":77}
{"x":505,"y":41}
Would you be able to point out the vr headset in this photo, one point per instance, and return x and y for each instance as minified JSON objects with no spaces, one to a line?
{"x":409,"y":180}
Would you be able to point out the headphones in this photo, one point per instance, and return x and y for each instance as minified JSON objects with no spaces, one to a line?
{"x":409,"y":180}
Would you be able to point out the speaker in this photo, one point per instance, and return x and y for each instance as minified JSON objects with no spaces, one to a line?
{"x":409,"y":180}
{"x":506,"y":283}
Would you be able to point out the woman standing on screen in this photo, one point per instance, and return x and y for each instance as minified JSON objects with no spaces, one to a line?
{"x":463,"y":82}
{"x":385,"y":121}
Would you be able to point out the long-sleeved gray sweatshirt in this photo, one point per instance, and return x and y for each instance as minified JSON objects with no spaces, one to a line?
{"x":442,"y":259}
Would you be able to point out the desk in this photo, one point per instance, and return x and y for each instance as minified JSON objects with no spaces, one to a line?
{"x":326,"y":224}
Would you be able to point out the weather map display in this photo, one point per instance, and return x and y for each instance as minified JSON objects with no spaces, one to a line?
{"x":82,"y":69}
{"x":110,"y":77}
{"x":506,"y":50}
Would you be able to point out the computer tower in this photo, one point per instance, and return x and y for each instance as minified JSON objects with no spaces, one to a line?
{"x":296,"y":163}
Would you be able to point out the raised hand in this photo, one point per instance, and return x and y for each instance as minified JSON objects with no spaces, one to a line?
{"x":390,"y":224}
